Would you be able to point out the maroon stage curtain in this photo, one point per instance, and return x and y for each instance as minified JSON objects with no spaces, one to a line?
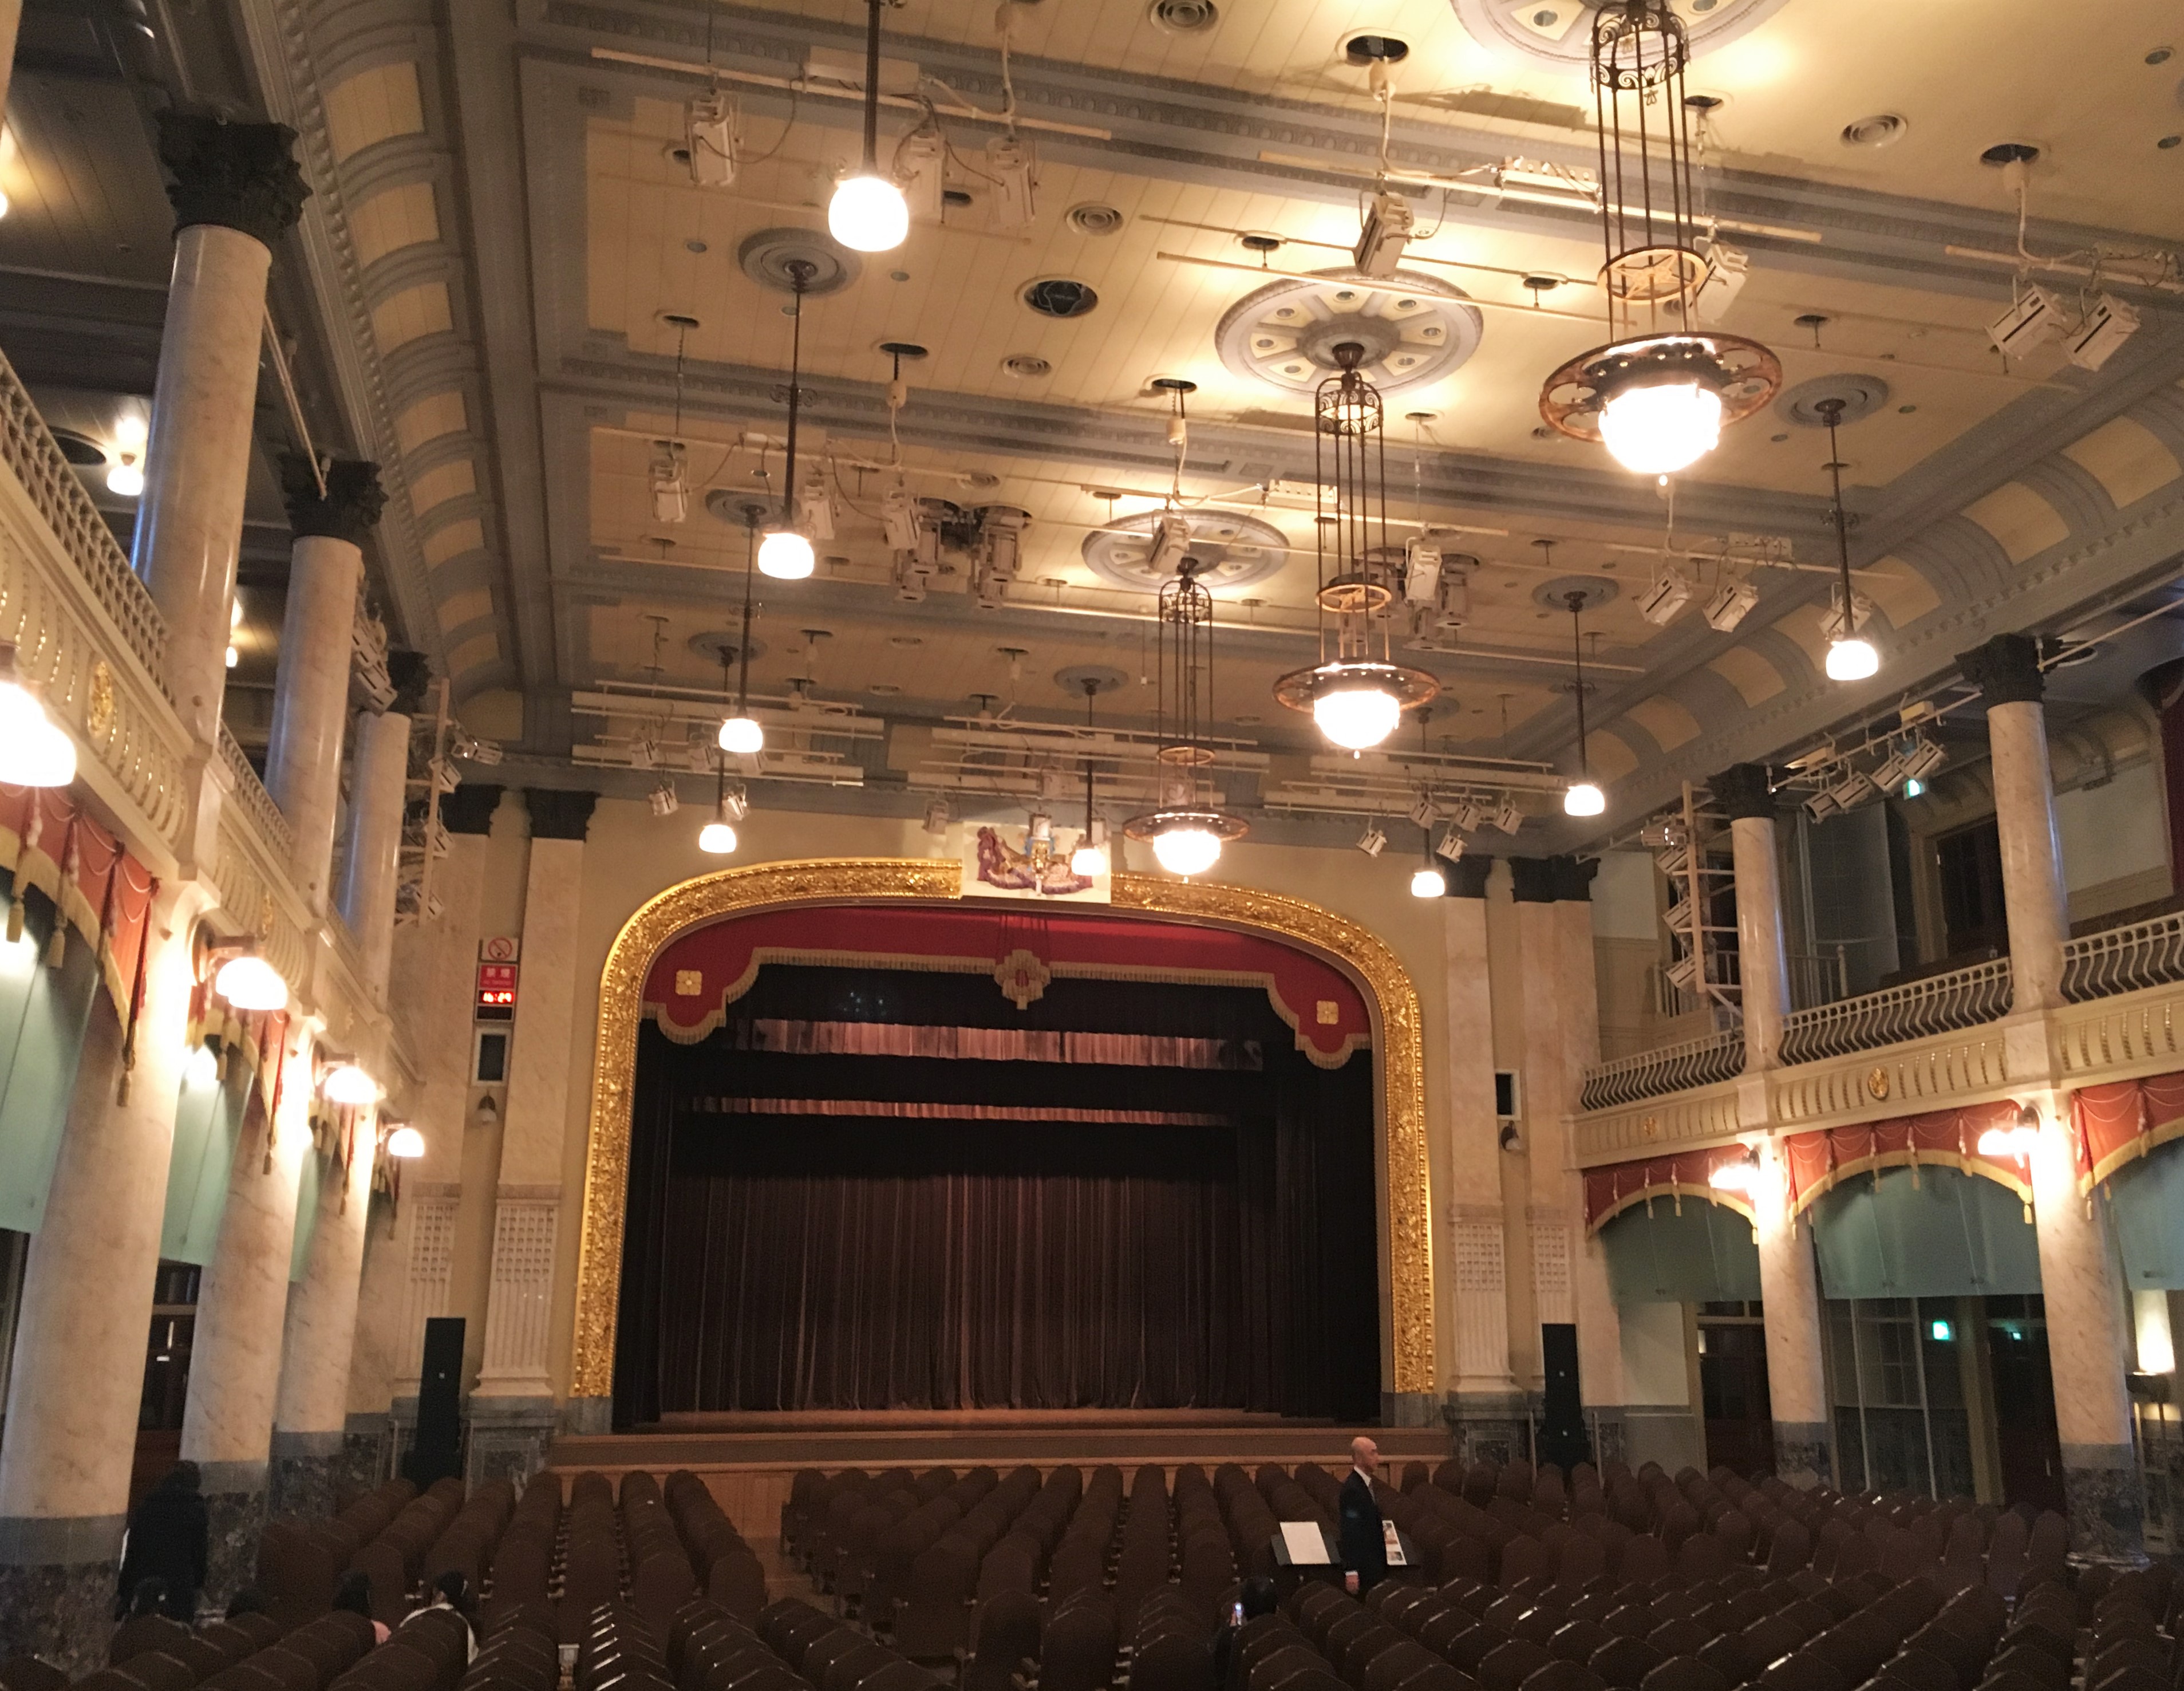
{"x":1221,"y":1255}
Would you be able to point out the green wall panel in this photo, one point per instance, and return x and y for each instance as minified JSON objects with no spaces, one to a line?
{"x":43,"y":1015}
{"x":208,"y":1121}
{"x":1949,"y":1236}
{"x":1705,"y":1255}
{"x":2147,"y":1203}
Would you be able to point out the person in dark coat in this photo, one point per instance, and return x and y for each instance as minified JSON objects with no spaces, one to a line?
{"x":169,"y":1534}
{"x":1364,"y":1546}
{"x":1257,"y":1597}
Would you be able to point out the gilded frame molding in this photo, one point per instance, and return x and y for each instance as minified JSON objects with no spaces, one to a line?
{"x":1393,"y":1001}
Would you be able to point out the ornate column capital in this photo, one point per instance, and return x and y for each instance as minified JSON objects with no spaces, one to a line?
{"x":1467,"y":875}
{"x":1553,"y":880}
{"x":2006,"y":670}
{"x":242,"y":176}
{"x":411,"y":674}
{"x":469,"y":809}
{"x":348,"y":508}
{"x":1742,"y":790}
{"x":557,"y":815}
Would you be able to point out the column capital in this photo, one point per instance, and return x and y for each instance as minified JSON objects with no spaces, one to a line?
{"x":557,"y":815}
{"x":1467,"y":875}
{"x":242,"y":176}
{"x":469,"y":809}
{"x":411,"y":675}
{"x":348,"y":508}
{"x":1553,"y":880}
{"x":2006,"y":670}
{"x":1743,"y":790}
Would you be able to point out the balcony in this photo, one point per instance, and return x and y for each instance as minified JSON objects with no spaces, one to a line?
{"x":1918,"y":1009}
{"x":1672,"y":1069}
{"x":89,"y":637}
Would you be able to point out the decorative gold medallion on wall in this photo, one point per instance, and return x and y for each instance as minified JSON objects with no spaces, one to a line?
{"x":99,"y":708}
{"x":1877,"y":1083}
{"x":856,"y":880}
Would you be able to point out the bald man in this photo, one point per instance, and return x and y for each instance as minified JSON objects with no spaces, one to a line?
{"x":1364,"y":1546}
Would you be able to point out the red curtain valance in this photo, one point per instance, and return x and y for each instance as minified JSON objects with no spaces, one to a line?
{"x":100,"y":891}
{"x":2121,"y":1120}
{"x":1947,"y":1138}
{"x":700,"y":973}
{"x":1614,"y":1188}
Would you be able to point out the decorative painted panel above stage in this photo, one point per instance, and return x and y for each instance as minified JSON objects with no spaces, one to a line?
{"x":694,"y":979}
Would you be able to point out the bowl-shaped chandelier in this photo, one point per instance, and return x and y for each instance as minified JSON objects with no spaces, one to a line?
{"x":1188,"y":828}
{"x":1659,"y":394}
{"x":1357,"y":692}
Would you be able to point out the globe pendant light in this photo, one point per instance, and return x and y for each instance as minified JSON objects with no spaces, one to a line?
{"x":1850,"y":656}
{"x":1356,"y":693}
{"x":34,"y":752}
{"x":1187,"y":829}
{"x":405,"y":1142}
{"x":248,"y":982}
{"x":1583,"y":798}
{"x":347,"y":1084}
{"x":740,"y":734}
{"x":1659,"y":393}
{"x":868,"y":212}
{"x":1088,"y":860}
{"x":785,"y":554}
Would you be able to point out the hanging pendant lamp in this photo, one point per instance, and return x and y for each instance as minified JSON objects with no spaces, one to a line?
{"x":1357,"y":694}
{"x":741,"y":733}
{"x":786,"y":554}
{"x":1087,"y":859}
{"x":1659,"y":394}
{"x":1851,"y":657}
{"x":868,"y":213}
{"x":1187,"y":828}
{"x":1583,"y":798}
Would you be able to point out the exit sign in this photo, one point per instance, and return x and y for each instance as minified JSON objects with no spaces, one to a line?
{"x":496,"y":992}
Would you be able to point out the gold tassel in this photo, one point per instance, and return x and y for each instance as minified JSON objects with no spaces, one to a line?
{"x":121,"y":1088}
{"x":15,"y":920}
{"x":56,"y":947}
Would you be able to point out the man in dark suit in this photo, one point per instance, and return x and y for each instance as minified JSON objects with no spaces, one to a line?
{"x":1364,"y":1546}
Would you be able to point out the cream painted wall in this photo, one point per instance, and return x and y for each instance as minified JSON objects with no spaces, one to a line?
{"x":1656,"y":1370}
{"x":632,"y":856}
{"x":2115,"y":842}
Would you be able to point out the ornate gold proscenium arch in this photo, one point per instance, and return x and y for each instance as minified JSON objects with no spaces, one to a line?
{"x":1393,"y":1001}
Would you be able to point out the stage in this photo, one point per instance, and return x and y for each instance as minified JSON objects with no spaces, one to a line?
{"x":747,"y":1460}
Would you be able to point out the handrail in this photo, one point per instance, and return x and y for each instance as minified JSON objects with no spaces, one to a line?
{"x":1941,"y":1003}
{"x":250,"y":793}
{"x":1672,"y":1069}
{"x":2149,"y":953}
{"x":28,"y":448}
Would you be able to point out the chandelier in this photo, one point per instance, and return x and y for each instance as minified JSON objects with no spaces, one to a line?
{"x":1658,"y":393}
{"x":1357,"y":694}
{"x":1187,"y":829}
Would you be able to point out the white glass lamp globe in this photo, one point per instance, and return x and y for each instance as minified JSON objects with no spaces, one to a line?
{"x":1429,"y":883}
{"x":1088,"y":860}
{"x":347,"y":1083}
{"x":1187,"y":849}
{"x":1584,"y":798}
{"x":868,"y":215}
{"x":126,"y":477}
{"x":1739,"y":1176}
{"x":1852,"y":659}
{"x":251,"y":983}
{"x":717,"y":837}
{"x":785,"y":555}
{"x":1659,"y":427}
{"x":33,"y":751}
{"x":1357,"y":716}
{"x":743,"y":736}
{"x":405,"y":1142}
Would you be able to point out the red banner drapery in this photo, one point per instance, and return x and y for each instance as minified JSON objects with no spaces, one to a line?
{"x":101,"y":891}
{"x":1614,"y":1188}
{"x":2120,"y":1121}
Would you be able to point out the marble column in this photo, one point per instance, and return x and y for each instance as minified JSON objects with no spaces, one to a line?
{"x":235,"y":1360}
{"x":73,"y":1396}
{"x":310,"y":691}
{"x":310,"y":1409}
{"x":1790,"y":1294}
{"x":378,"y":790}
{"x":2007,"y":672}
{"x":237,"y":192}
{"x":512,"y":1411}
{"x":1762,"y":961}
{"x":1484,"y":1406}
{"x":11,"y":24}
{"x":2089,"y":1347}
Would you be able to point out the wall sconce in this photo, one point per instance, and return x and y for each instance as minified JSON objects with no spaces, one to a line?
{"x":241,"y":976}
{"x":487,"y":1113}
{"x":404,"y":1141}
{"x":344,"y":1081}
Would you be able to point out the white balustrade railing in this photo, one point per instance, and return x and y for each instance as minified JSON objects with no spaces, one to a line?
{"x":1941,"y":1003}
{"x":250,"y":793}
{"x":1672,"y":1069}
{"x":2149,"y":953}
{"x":28,"y":448}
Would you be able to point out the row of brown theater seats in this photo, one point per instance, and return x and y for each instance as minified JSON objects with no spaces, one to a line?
{"x":300,"y":1562}
{"x":335,"y":1652}
{"x":665,"y":1548}
{"x":400,"y":1540}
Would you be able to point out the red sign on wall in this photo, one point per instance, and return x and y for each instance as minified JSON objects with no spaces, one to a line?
{"x":496,"y":991}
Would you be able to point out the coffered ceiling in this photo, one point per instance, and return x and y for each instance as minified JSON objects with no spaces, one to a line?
{"x":522,"y":290}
